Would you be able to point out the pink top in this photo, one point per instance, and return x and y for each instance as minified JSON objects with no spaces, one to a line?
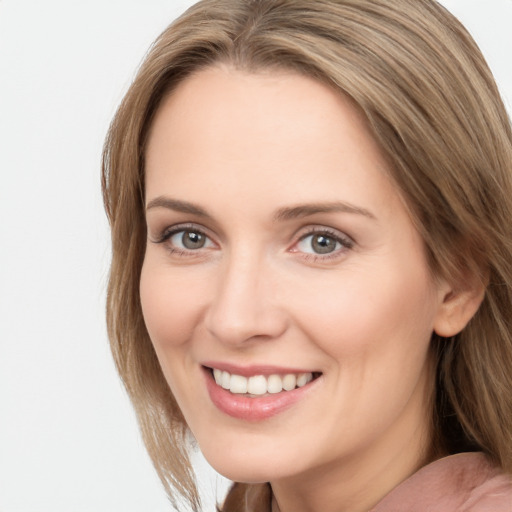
{"x":466,"y":482}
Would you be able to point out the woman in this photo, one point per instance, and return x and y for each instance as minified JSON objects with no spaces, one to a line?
{"x":310,"y":206}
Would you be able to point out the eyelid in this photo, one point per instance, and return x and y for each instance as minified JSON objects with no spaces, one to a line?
{"x":170,"y":231}
{"x":346,"y":242}
{"x":320,"y":229}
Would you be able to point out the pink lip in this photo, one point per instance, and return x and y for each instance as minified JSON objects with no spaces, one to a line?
{"x":254,"y":409}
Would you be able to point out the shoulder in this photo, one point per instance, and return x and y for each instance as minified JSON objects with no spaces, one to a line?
{"x":466,"y":482}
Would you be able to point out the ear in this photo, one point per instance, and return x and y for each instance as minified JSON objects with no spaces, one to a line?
{"x":458,"y":306}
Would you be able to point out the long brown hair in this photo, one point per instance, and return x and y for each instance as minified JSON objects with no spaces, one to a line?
{"x":434,"y":108}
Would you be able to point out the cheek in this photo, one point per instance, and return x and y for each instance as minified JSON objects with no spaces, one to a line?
{"x":172,"y":310}
{"x":376,"y":333}
{"x":388,"y":314}
{"x":170,"y":305}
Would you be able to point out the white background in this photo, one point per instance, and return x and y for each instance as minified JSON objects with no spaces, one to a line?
{"x":68,"y":438}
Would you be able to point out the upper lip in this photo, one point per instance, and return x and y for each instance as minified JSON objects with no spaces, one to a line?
{"x":254,"y":369}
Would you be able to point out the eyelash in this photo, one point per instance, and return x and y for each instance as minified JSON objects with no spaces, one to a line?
{"x":168,"y":233}
{"x":345,"y":242}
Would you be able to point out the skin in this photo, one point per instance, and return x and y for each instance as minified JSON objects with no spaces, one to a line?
{"x":242,"y":147}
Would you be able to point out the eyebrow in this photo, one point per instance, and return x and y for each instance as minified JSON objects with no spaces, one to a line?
{"x":283,"y":214}
{"x":305,"y":210}
{"x":177,"y":206}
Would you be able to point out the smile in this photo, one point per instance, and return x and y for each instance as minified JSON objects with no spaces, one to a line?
{"x":259,"y":385}
{"x":259,"y":394}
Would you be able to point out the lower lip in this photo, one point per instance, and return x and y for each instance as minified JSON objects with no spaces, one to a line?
{"x":253,"y":409}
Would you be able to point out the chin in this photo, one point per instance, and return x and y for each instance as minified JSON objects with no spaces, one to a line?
{"x":246,"y":475}
{"x":249,"y":464}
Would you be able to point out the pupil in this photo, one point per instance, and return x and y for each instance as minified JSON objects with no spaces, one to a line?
{"x":323,"y":244}
{"x":193,"y":240}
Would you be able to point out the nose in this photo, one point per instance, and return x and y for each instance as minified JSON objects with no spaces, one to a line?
{"x":245,"y":307}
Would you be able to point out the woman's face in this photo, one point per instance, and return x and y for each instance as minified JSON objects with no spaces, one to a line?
{"x":279,"y":254}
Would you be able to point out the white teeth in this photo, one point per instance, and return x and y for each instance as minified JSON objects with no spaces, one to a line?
{"x":274,"y":384}
{"x":260,"y":384}
{"x":257,"y":385}
{"x":289,"y":382}
{"x":226,"y":380}
{"x":303,"y":379}
{"x":238,"y":384}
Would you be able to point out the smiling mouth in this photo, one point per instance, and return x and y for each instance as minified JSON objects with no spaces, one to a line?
{"x":261,"y":385}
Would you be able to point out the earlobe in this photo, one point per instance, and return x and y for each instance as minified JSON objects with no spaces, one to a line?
{"x":457,"y":308}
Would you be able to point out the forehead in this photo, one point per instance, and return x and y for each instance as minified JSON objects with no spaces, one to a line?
{"x":218,"y":98}
{"x":273,"y":133}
